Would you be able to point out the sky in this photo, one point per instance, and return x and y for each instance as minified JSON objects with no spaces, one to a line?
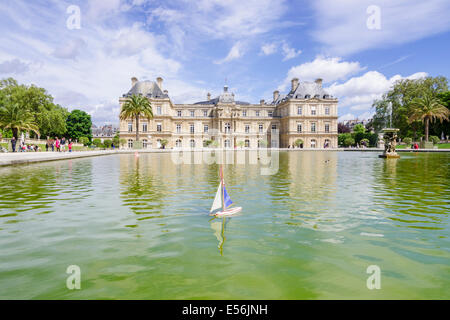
{"x":85,"y":52}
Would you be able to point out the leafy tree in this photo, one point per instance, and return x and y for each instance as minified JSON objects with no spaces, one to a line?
{"x":298,"y":143}
{"x":342,"y":128}
{"x":262,"y":143}
{"x":97,"y":142}
{"x":137,"y":106}
{"x":116,"y":139}
{"x":401,"y":96}
{"x":79,"y":125}
{"x":84,"y":140}
{"x":122,"y":142}
{"x":435,"y":139}
{"x":18,"y":119}
{"x":107,"y":143}
{"x":349,"y":142}
{"x":241,"y":143}
{"x":364,"y":142}
{"x":164,"y":142}
{"x":342,"y":137}
{"x":428,"y":109}
{"x":407,"y":140}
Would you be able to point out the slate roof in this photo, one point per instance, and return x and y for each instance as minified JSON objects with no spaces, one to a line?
{"x":305,"y":90}
{"x":225,"y":97}
{"x":146,"y":88}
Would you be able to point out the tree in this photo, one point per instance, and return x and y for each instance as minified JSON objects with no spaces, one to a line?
{"x":241,"y":143}
{"x":83,"y":140}
{"x":164,"y":142}
{"x":407,"y":140}
{"x":18,"y":119}
{"x":400,"y":96}
{"x":116,"y":139}
{"x":79,"y":125}
{"x":107,"y":143}
{"x":97,"y":142}
{"x":122,"y":142}
{"x":349,"y":142}
{"x":298,"y":143}
{"x":428,"y":109}
{"x":342,"y":128}
{"x":135,"y":107}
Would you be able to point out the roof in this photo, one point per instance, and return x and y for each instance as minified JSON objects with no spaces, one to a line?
{"x":225,"y":97}
{"x":305,"y":90}
{"x":146,"y":88}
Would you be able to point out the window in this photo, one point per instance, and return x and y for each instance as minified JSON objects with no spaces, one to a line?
{"x":257,"y":113}
{"x":158,"y":110}
{"x":227,"y":143}
{"x":179,"y":113}
{"x":130,"y":127}
{"x":227,"y":127}
{"x":299,"y":110}
{"x":327,"y":143}
{"x":158,"y":143}
{"x":144,"y":127}
{"x":178,"y":128}
{"x":144,"y":143}
{"x":247,"y":143}
{"x":313,"y":143}
{"x":270,"y":114}
{"x":327,"y":127}
{"x":159,"y":127}
{"x":299,"y":127}
{"x":205,"y":113}
{"x":247,"y":128}
{"x":192,"y":143}
{"x":178,"y":143}
{"x":274,"y":127}
{"x":192,"y":113}
{"x":261,"y":128}
{"x":313,"y":127}
{"x":327,"y":110}
{"x":130,"y":143}
{"x":313,"y":110}
{"x":244,"y":113}
{"x":205,"y":128}
{"x":191,"y":128}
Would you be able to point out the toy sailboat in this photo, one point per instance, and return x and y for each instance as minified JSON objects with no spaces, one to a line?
{"x":223,"y":201}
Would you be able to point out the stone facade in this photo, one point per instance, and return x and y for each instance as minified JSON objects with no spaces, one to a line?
{"x":307,"y":112}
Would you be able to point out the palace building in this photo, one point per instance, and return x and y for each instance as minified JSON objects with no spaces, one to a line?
{"x":307,"y":112}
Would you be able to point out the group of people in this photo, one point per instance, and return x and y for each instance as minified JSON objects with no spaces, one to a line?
{"x":59,"y":144}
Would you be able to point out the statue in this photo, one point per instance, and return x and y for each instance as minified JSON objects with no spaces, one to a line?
{"x":390,"y":142}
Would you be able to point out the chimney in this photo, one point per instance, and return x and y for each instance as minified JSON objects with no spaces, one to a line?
{"x":318,"y":81}
{"x":261,"y":101}
{"x":133,"y":81}
{"x":276,"y":93}
{"x":208,"y":96}
{"x":159,"y":80}
{"x":294,"y":83}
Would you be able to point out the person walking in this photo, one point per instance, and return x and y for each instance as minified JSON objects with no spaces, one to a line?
{"x":13,"y":144}
{"x":46,"y":146}
{"x":70,"y":145}
{"x":52,"y":144}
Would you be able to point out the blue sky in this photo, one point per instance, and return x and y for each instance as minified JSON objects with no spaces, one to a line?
{"x":256,"y":45}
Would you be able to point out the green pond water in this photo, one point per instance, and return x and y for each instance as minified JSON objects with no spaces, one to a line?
{"x":138,"y":228}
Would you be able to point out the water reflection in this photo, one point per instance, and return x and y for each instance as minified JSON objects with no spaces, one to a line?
{"x":218,"y":225}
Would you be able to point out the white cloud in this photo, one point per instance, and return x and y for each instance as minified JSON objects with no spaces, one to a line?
{"x":235,"y":52}
{"x":358,"y":93}
{"x":347,"y":116}
{"x":289,"y":53}
{"x":268,"y":48}
{"x":70,"y":50}
{"x":342,"y":27}
{"x":329,"y":69}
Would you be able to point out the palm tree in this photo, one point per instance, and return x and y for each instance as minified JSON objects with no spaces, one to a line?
{"x":17,"y":118}
{"x":427,"y":109}
{"x":136,"y":107}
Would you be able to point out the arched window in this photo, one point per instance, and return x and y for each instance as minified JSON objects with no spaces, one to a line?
{"x":158,"y":143}
{"x":247,"y":143}
{"x":313,"y":143}
{"x":227,"y":143}
{"x":178,"y":143}
{"x":192,"y":143}
{"x":327,"y":143}
{"x":144,"y":143}
{"x":130,"y":143}
{"x":227,"y":127}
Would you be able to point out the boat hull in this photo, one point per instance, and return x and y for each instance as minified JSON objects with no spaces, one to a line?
{"x":228,"y":212}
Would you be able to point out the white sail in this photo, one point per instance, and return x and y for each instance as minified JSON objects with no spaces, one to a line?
{"x":217,"y":204}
